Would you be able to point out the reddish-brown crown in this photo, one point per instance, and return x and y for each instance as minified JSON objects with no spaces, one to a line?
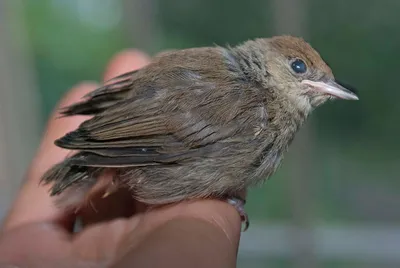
{"x":294,"y":47}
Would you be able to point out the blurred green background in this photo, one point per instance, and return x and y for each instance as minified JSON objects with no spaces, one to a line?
{"x":334,"y":202}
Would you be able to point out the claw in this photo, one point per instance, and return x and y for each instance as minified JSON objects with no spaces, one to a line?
{"x":239,"y":205}
{"x":112,"y":188}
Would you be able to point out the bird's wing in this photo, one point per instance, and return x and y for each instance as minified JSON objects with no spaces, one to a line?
{"x":103,"y":97}
{"x":180,"y":114}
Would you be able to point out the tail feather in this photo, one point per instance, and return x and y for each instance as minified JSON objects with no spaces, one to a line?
{"x":63,"y":176}
{"x":71,"y":184}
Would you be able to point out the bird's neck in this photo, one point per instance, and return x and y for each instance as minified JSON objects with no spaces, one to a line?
{"x":286,"y":116}
{"x":248,"y":59}
{"x":286,"y":113}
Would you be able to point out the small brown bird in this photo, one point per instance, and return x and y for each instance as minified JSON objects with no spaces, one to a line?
{"x":195,"y":123}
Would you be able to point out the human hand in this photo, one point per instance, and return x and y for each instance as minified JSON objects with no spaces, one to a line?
{"x":118,"y":231}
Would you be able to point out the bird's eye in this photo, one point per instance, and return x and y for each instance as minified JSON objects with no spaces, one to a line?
{"x":299,"y":66}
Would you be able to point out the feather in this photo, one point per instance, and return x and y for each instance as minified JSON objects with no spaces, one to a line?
{"x":103,"y":97}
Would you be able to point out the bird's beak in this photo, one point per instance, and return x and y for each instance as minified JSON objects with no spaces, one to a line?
{"x":332,"y":88}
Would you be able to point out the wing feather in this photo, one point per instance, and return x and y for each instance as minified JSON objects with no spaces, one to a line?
{"x":171,"y":116}
{"x":103,"y":97}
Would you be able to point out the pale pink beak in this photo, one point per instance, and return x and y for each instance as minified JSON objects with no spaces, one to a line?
{"x":332,"y":88}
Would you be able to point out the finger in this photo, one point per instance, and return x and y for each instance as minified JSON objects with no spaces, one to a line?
{"x":125,"y":61}
{"x":33,"y":202}
{"x":29,"y":245}
{"x":203,"y":233}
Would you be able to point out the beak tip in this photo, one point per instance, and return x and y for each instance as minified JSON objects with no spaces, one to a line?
{"x":353,"y":97}
{"x":349,"y":97}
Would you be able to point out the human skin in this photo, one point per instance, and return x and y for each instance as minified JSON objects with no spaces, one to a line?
{"x":117,"y":231}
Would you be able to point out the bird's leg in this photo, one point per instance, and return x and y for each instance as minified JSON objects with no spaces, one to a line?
{"x":239,"y":203}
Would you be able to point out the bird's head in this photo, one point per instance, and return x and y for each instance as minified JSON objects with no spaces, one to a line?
{"x":299,"y":71}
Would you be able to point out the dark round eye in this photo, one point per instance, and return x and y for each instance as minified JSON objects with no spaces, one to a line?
{"x":299,"y":66}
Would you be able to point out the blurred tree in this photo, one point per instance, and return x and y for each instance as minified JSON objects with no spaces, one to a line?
{"x":140,"y":24}
{"x":19,"y":118}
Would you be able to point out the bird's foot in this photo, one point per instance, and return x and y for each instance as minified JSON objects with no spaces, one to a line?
{"x":239,"y":205}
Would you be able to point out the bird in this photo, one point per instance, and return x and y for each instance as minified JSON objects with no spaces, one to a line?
{"x":195,"y":123}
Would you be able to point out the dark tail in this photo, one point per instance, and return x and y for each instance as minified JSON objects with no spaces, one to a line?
{"x":64,"y":176}
{"x":70,"y":183}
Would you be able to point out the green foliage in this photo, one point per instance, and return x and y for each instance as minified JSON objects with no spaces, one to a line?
{"x":208,"y":22}
{"x":68,"y":45}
